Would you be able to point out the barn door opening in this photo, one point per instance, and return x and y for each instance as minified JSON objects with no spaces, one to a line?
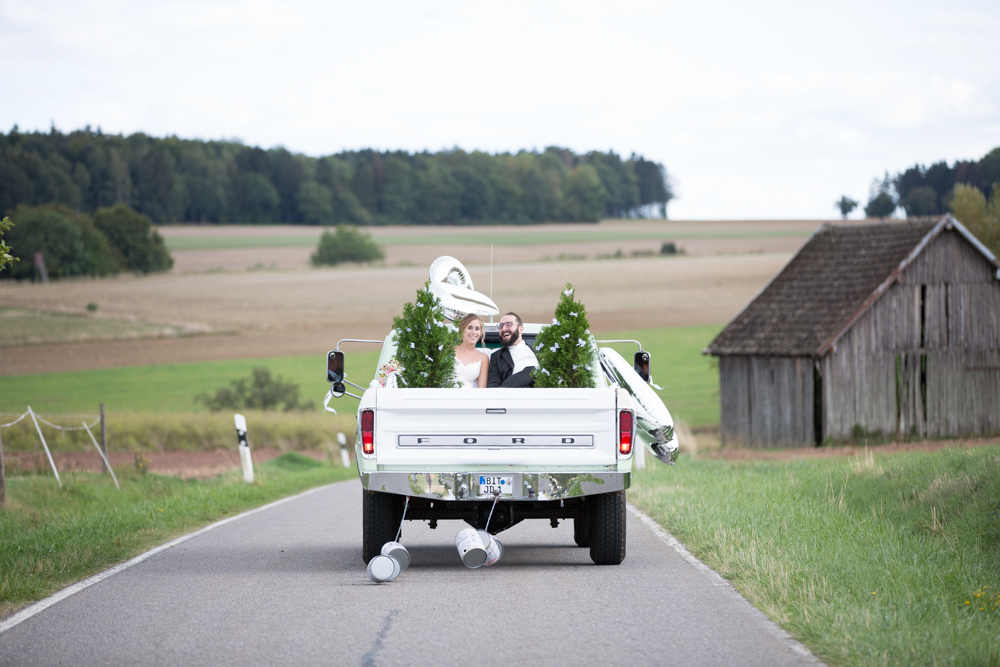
{"x":817,"y":404}
{"x":911,"y":394}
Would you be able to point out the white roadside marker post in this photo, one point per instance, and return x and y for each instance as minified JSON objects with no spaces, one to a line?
{"x":344,"y":457}
{"x":241,"y":435}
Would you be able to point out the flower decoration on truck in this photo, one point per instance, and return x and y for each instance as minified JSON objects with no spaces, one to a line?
{"x":389,"y":375}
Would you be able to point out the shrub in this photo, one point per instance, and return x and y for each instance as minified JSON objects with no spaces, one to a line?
{"x":425,"y":343}
{"x":132,"y":235}
{"x":346,"y":245}
{"x":969,"y":206}
{"x":46,"y":230}
{"x":260,"y":391}
{"x":565,"y":356}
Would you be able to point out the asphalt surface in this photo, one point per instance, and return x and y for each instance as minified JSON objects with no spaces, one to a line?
{"x":286,"y":586}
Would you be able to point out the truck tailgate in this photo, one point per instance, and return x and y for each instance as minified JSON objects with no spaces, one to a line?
{"x":449,"y":428}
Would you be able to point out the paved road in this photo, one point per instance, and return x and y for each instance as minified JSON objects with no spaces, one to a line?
{"x":286,"y":586}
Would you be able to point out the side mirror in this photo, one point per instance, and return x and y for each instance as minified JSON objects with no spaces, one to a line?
{"x":642,"y":365}
{"x":338,"y":389}
{"x":335,"y":366}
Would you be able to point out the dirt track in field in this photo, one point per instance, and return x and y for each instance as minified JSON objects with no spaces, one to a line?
{"x":275,"y":313}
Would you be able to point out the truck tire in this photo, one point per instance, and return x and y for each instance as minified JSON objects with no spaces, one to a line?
{"x":580,"y":526}
{"x":381,"y":514}
{"x":607,"y":527}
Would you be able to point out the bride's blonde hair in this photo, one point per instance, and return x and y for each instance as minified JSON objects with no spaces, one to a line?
{"x":464,"y":322}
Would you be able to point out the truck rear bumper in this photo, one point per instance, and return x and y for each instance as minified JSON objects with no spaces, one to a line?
{"x":526,"y":485}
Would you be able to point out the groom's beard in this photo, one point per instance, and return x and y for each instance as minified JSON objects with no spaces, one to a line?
{"x":514,"y":337}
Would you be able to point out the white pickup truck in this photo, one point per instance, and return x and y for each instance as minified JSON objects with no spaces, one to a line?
{"x":549,"y":453}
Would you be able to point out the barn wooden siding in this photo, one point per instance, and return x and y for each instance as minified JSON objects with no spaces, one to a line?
{"x":925,"y":358}
{"x":766,"y":400}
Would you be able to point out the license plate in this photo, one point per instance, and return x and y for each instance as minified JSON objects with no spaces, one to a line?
{"x":490,"y":484}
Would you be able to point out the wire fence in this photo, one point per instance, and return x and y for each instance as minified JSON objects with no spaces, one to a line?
{"x":36,"y":418}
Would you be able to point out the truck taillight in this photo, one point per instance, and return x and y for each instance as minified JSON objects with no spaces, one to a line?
{"x":625,"y":432}
{"x":368,"y":431}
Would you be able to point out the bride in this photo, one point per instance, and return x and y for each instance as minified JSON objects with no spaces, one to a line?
{"x":471,"y":365}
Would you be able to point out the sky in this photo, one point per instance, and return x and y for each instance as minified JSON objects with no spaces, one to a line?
{"x":757,"y":110}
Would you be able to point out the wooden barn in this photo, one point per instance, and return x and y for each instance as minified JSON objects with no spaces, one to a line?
{"x":890,"y":328}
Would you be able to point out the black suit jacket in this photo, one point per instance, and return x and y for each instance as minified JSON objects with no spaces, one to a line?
{"x":502,"y":371}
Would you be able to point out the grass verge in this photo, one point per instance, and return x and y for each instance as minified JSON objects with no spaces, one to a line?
{"x":53,"y":537}
{"x":876,"y":560}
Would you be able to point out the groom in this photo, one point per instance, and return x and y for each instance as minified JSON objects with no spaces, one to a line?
{"x":512,"y":365}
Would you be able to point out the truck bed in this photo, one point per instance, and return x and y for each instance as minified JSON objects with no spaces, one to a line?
{"x":459,"y":429}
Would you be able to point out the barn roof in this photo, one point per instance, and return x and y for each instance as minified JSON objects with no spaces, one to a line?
{"x":828,"y":284}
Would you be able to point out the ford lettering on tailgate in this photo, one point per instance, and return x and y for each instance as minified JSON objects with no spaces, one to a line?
{"x":490,"y":441}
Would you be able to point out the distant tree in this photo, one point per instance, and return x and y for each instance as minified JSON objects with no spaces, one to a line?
{"x":132,"y":235}
{"x":346,"y":245}
{"x":881,"y":199}
{"x":989,"y":169}
{"x":654,"y":183}
{"x":261,"y":391}
{"x":258,"y":199}
{"x":56,"y":236}
{"x":969,"y":206}
{"x":921,"y":200}
{"x":846,"y":205}
{"x":315,"y":203}
{"x":881,"y":205}
{"x":6,"y":259}
{"x":585,"y":195}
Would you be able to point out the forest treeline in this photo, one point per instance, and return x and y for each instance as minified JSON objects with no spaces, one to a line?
{"x":922,"y":190}
{"x":182,"y":180}
{"x":969,"y":189}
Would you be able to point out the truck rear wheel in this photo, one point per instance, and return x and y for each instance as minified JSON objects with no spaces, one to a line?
{"x":580,"y":525}
{"x":607,"y":527}
{"x":381,"y":514}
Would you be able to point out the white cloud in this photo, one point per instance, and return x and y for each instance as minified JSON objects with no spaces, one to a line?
{"x":755,"y":110}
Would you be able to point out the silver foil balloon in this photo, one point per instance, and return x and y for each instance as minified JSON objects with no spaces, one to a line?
{"x":452,"y":285}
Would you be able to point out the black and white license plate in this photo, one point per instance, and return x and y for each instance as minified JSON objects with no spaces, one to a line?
{"x":490,"y":484}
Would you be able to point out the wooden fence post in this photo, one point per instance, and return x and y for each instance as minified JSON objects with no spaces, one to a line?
{"x":3,"y":478}
{"x":104,"y":440}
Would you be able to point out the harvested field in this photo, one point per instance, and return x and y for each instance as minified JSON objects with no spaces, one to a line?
{"x":279,"y":313}
{"x":198,"y":248}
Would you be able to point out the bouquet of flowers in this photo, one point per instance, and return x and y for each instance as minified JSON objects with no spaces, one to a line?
{"x":389,"y":375}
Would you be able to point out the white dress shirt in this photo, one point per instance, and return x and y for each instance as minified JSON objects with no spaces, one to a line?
{"x":522,"y":356}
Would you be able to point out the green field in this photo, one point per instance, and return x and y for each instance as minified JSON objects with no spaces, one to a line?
{"x":54,"y":536}
{"x":689,"y":379}
{"x":868,"y":561}
{"x":503,"y":237}
{"x":168,"y":387}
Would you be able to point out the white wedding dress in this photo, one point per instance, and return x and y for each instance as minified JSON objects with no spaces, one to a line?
{"x":468,"y":374}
